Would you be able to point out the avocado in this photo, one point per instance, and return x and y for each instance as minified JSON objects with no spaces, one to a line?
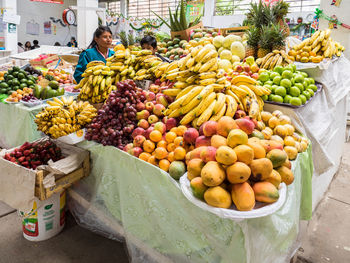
{"x":15,"y":88}
{"x":3,"y":91}
{"x":170,"y":43}
{"x":52,"y":93}
{"x":53,"y":84}
{"x":4,"y":85}
{"x":37,"y":91}
{"x":9,"y":77}
{"x":15,"y":74}
{"x":60,"y":91}
{"x":176,"y":41}
{"x":10,"y":71}
{"x":49,"y":77}
{"x":30,"y":82}
{"x":9,"y":92}
{"x":21,"y":76}
{"x":15,"y":82}
{"x":176,"y":46}
{"x":16,"y":68}
{"x":22,"y":86}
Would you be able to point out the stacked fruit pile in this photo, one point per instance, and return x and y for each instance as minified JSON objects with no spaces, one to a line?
{"x":230,"y":47}
{"x":32,"y":155}
{"x":288,"y":85}
{"x":276,"y":58}
{"x":57,"y":75}
{"x":314,"y":49}
{"x":64,"y":116}
{"x":51,"y":90}
{"x":116,"y":120}
{"x":16,"y":96}
{"x":97,"y":82}
{"x":234,"y":167}
{"x":173,"y":49}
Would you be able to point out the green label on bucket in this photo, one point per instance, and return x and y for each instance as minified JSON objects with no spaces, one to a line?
{"x":48,"y":206}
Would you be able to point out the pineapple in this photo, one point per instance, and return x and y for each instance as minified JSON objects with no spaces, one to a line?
{"x":264,"y":42}
{"x":279,"y":11}
{"x":123,"y":38}
{"x":253,"y":36}
{"x":278,"y":36}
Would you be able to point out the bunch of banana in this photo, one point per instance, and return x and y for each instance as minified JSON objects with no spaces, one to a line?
{"x":136,"y":65}
{"x":97,"y":82}
{"x":64,"y":116}
{"x":273,"y":59}
{"x":249,"y":83}
{"x":315,"y":48}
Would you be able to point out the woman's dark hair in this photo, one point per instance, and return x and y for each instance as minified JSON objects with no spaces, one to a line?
{"x":72,"y":38}
{"x":28,"y":42}
{"x":98,"y":32}
{"x":149,"y":40}
{"x":57,"y":44}
{"x":35,"y":42}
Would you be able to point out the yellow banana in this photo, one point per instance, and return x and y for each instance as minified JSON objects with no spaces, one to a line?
{"x":218,"y":115}
{"x":206,"y":114}
{"x":231,"y":106}
{"x":207,"y":65}
{"x":220,"y":101}
{"x":201,"y":54}
{"x":180,"y":85}
{"x":210,"y":55}
{"x":188,"y":118}
{"x":190,"y":63}
{"x":243,"y":78}
{"x":239,"y":91}
{"x":207,"y":75}
{"x":205,"y":82}
{"x":197,"y":99}
{"x":171,"y":92}
{"x":185,"y":91}
{"x":205,"y":103}
{"x":189,"y":96}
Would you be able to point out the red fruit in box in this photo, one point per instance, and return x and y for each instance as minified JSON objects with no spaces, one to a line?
{"x":25,"y":163}
{"x":7,"y":156}
{"x":21,"y":159}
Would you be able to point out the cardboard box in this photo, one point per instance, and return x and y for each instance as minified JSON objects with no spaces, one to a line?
{"x":46,"y":62}
{"x":185,"y":34}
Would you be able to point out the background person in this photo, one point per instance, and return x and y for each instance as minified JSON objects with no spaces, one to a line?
{"x":27,"y":46}
{"x":20,"y":47}
{"x":72,"y":42}
{"x":150,"y":43}
{"x":35,"y":44}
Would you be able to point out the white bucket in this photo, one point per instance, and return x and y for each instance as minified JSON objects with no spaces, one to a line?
{"x":46,"y":219}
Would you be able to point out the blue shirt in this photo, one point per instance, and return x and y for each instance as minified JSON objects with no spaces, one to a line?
{"x":88,"y":55}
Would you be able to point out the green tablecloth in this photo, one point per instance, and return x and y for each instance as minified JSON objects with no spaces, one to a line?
{"x":150,"y":206}
{"x":17,"y":124}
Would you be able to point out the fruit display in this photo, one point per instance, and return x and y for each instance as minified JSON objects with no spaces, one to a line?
{"x":51,"y":90}
{"x":64,"y":116}
{"x":32,"y":71}
{"x":273,"y":59}
{"x":278,"y":127}
{"x":288,"y":85}
{"x":233,"y":165}
{"x":173,"y":49}
{"x":199,"y":33}
{"x":32,"y":155}
{"x":317,"y":47}
{"x":230,"y":47}
{"x":57,"y":75}
{"x":15,"y":79}
{"x":17,"y":95}
{"x":117,"y":118}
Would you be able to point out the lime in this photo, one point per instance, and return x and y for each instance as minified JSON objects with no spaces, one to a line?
{"x":303,"y":98}
{"x":295,"y":101}
{"x":287,"y":99}
{"x":311,"y":80}
{"x":294,"y":91}
{"x":286,"y":83}
{"x":278,"y":69}
{"x":277,"y":80}
{"x":274,"y":74}
{"x":300,"y":86}
{"x":277,"y":98}
{"x":265,"y":97}
{"x":264,"y":76}
{"x":281,"y":91}
{"x":313,"y":87}
{"x":299,"y":78}
{"x":306,"y":94}
{"x":287,"y":74}
{"x":271,"y":97}
{"x":312,"y":93}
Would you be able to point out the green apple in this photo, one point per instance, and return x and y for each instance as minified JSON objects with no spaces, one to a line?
{"x":281,"y":91}
{"x":274,"y":87}
{"x":271,"y":97}
{"x":303,"y":98}
{"x":265,"y":97}
{"x":268,"y":86}
{"x":287,"y":74}
{"x":286,"y":83}
{"x":300,"y":86}
{"x":277,"y":98}
{"x":294,"y":67}
{"x":287,"y":98}
{"x":264,"y":76}
{"x":304,"y":74}
{"x":250,"y":60}
{"x":294,"y":91}
{"x":274,"y":74}
{"x":260,"y":82}
{"x":299,"y":78}
{"x":295,"y":101}
{"x":289,"y":67}
{"x":278,"y":69}
{"x":269,"y":82}
{"x":306,"y":94}
{"x":277,"y":80}
{"x":312,"y":93}
{"x":313,"y":87}
{"x":311,"y":80}
{"x":305,"y":84}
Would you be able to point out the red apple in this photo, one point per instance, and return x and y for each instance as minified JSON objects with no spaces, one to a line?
{"x":150,"y":96}
{"x":159,"y":109}
{"x":148,"y":131}
{"x":140,"y":106}
{"x":128,"y":147}
{"x":160,"y":126}
{"x":138,"y":140}
{"x":239,"y":68}
{"x":191,"y":135}
{"x":210,"y":128}
{"x":239,"y":114}
{"x":170,"y":123}
{"x":149,"y":106}
{"x":202,"y":141}
{"x":255,"y":76}
{"x":143,"y":124}
{"x":138,"y":131}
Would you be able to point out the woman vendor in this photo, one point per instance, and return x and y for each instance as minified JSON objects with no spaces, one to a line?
{"x":98,"y":50}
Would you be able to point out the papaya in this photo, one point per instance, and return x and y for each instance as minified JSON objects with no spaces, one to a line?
{"x":277,"y":157}
{"x":286,"y":174}
{"x":274,"y":178}
{"x":243,"y":196}
{"x":261,"y":169}
{"x":213,"y":174}
{"x":217,"y":197}
{"x":265,"y":192}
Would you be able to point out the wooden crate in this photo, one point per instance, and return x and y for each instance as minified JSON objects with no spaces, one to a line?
{"x":185,"y":34}
{"x":239,"y":31}
{"x":46,"y":62}
{"x":61,"y":182}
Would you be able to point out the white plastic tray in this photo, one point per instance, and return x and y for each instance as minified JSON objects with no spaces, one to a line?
{"x":260,"y":209}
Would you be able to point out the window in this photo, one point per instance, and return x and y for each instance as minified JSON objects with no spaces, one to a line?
{"x":114,"y":7}
{"x":143,"y":8}
{"x":231,"y":7}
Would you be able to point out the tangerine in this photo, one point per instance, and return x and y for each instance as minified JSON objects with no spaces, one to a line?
{"x":170,"y":136}
{"x":164,"y":164}
{"x":161,"y":153}
{"x":179,"y":153}
{"x":148,"y":146}
{"x":155,"y":136}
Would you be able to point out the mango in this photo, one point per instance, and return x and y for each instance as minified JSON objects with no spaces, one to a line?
{"x":177,"y":169}
{"x":265,"y":192}
{"x":196,"y":153}
{"x":194,"y":168}
{"x":259,"y":150}
{"x":244,"y":153}
{"x":261,"y":169}
{"x":217,"y":197}
{"x":291,"y":151}
{"x":238,"y":173}
{"x":213,"y":174}
{"x":277,"y":157}
{"x":236,"y":137}
{"x":225,"y":155}
{"x":243,"y":196}
{"x":198,"y":188}
{"x":274,"y":178}
{"x":225,"y":125}
{"x":270,"y":145}
{"x":217,"y":141}
{"x":286,"y":174}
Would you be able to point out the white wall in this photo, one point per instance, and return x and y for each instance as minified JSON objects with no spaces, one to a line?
{"x":342,"y":12}
{"x":40,"y":13}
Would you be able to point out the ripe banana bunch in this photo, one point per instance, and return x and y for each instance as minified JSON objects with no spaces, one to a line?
{"x":136,"y":65}
{"x":64,"y":116}
{"x":97,"y":82}
{"x":273,"y":59}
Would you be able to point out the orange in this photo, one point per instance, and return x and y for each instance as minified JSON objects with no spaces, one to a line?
{"x":161,"y":153}
{"x":174,"y":129}
{"x":170,"y":136}
{"x":155,"y":136}
{"x":164,"y":165}
{"x":153,"y":160}
{"x":144,"y":156}
{"x":162,"y":143}
{"x":148,"y":146}
{"x":171,"y":147}
{"x":179,"y":141}
{"x":179,"y":153}
{"x":181,"y":130}
{"x":171,"y":157}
